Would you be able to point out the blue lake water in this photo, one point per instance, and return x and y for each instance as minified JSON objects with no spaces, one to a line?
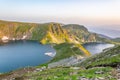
{"x":95,"y":48}
{"x":19,"y":54}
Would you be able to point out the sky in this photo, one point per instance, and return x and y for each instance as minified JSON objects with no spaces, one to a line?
{"x":94,"y":14}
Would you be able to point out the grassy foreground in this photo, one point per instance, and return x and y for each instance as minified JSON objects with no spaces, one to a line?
{"x":67,"y":73}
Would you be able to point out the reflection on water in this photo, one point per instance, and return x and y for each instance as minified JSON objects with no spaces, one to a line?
{"x":94,"y":48}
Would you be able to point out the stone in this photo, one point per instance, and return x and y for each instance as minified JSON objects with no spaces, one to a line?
{"x":99,"y":72}
{"x":101,"y":78}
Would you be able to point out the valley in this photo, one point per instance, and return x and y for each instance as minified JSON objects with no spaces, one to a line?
{"x":72,"y":60}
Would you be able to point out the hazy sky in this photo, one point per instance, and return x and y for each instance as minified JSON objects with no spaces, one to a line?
{"x":91,"y":13}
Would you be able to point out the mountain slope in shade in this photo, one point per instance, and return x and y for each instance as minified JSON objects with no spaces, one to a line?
{"x":116,"y":39}
{"x":104,"y":36}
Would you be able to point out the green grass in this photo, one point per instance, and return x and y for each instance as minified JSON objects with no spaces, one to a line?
{"x":66,"y":50}
{"x":91,"y":73}
{"x":67,"y":73}
{"x":108,"y":58}
{"x":39,"y":32}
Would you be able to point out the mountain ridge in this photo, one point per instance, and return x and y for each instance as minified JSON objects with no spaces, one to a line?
{"x":33,"y":31}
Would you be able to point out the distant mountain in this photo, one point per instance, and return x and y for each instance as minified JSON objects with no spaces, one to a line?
{"x":116,"y":39}
{"x":112,"y":31}
{"x":104,"y":36}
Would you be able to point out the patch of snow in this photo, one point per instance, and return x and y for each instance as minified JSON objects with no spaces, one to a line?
{"x":24,"y":36}
{"x":4,"y":38}
{"x":13,"y":39}
{"x":51,"y":54}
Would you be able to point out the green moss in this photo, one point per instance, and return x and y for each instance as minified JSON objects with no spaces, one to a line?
{"x":63,"y":51}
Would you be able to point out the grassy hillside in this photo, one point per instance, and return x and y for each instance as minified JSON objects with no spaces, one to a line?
{"x":56,"y":34}
{"x":15,"y":29}
{"x":66,"y":50}
{"x":110,"y":57}
{"x":48,"y":32}
{"x":45,"y":33}
{"x":82,"y":33}
{"x":66,"y":73}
